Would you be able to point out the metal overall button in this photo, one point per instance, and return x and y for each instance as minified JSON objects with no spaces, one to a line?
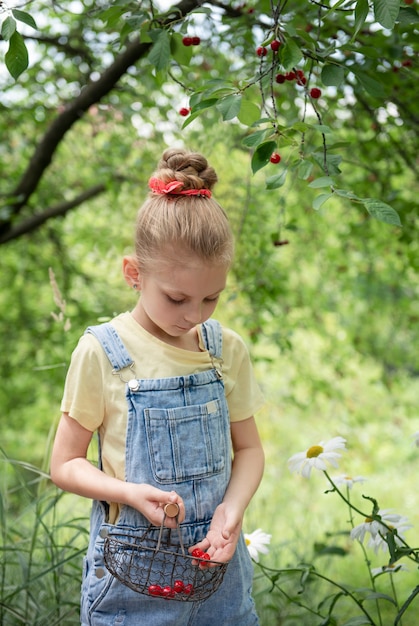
{"x":133,"y":384}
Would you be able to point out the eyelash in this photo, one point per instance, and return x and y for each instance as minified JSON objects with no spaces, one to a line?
{"x":173,"y":301}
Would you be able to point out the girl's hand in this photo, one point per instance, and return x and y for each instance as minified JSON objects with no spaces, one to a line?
{"x":151,"y":502}
{"x":222,"y":537}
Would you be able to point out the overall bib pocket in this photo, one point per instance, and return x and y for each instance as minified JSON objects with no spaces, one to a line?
{"x":187,"y":442}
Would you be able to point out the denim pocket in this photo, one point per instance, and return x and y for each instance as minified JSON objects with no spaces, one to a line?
{"x":186,"y":442}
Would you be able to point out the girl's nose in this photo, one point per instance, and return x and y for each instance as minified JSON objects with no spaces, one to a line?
{"x":194,"y":314}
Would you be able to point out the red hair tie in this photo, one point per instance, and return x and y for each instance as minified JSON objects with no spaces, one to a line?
{"x":174,"y":188}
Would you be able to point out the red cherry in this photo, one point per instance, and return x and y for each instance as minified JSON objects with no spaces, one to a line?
{"x":275,"y":157}
{"x":301,"y":79}
{"x":184,"y":111}
{"x":275,"y":45}
{"x":280,"y":78}
{"x":290,"y":76}
{"x":155,"y":590}
{"x":407,"y":63}
{"x":178,"y":586}
{"x":188,"y":589}
{"x":315,"y":93}
{"x":167,"y":592}
{"x":197,"y":553}
{"x":187,"y":41}
{"x":261,"y":51}
{"x":196,"y":41}
{"x":206,"y":556}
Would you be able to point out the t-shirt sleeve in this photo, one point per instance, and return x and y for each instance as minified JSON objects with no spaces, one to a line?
{"x":83,"y":397}
{"x":243,"y":393}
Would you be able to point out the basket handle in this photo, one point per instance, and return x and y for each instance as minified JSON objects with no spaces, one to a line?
{"x":171,"y":509}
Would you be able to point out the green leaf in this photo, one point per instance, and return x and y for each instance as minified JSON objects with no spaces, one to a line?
{"x":332,"y":75}
{"x":347,"y":194}
{"x":16,"y":57}
{"x":304,"y":169}
{"x":326,"y":130}
{"x":253,"y":140}
{"x":382,"y":211}
{"x":159,"y":55}
{"x":136,"y":21}
{"x":361,"y":13}
{"x":376,"y":595}
{"x":8,"y":28}
{"x":229,"y":106}
{"x":249,"y":112}
{"x":24,"y":17}
{"x":111,"y":16}
{"x":332,"y":161}
{"x":203,"y":104}
{"x":324,"y":181}
{"x":262,"y":155}
{"x":274,"y":182}
{"x":320,"y":200}
{"x":301,"y":127}
{"x":357,"y":621}
{"x":372,"y":86}
{"x":386,"y":12}
{"x":290,"y":54}
{"x":198,"y":109}
{"x":408,"y":15}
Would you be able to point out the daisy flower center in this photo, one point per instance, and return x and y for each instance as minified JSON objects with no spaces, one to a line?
{"x":314,"y":451}
{"x":248,"y":542}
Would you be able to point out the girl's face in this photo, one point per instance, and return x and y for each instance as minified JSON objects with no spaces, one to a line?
{"x":178,"y":294}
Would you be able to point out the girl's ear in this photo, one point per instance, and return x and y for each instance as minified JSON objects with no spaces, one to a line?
{"x":131,"y":271}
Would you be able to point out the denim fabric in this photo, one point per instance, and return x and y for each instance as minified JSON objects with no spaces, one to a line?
{"x":178,"y":437}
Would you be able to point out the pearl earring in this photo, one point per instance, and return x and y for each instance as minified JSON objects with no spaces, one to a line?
{"x":135,"y":286}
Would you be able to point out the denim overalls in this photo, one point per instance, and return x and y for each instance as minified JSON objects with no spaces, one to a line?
{"x":178,"y":438}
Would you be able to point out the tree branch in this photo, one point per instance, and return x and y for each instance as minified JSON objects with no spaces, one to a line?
{"x":91,"y":94}
{"x":34,"y":221}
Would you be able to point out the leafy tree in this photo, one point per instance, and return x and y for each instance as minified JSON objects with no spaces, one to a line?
{"x":83,"y":125}
{"x":335,"y":98}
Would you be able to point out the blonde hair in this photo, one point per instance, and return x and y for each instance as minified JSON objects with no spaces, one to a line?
{"x":195,"y":225}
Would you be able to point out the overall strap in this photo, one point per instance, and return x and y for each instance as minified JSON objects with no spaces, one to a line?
{"x":112,"y":345}
{"x":213,"y":337}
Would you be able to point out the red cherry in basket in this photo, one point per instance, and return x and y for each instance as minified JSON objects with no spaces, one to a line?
{"x":206,"y":556}
{"x":178,"y":586}
{"x":167,"y":592}
{"x":188,"y":589}
{"x":155,"y":590}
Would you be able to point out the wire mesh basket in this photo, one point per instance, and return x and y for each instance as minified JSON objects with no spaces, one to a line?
{"x":155,"y":565}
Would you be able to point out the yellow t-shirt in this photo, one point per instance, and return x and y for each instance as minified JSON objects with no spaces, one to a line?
{"x":96,"y":398}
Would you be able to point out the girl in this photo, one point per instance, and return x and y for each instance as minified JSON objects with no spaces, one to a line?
{"x":170,"y":392}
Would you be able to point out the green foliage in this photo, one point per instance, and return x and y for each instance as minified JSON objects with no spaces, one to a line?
{"x":362,"y":127}
{"x":40,"y":553}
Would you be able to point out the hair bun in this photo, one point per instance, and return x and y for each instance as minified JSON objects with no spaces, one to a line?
{"x":189,"y":168}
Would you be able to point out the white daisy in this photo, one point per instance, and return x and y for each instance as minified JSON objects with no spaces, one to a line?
{"x":257,"y":542}
{"x":316,"y":456}
{"x":389,"y":569}
{"x":348,"y":481}
{"x":378,"y":530}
